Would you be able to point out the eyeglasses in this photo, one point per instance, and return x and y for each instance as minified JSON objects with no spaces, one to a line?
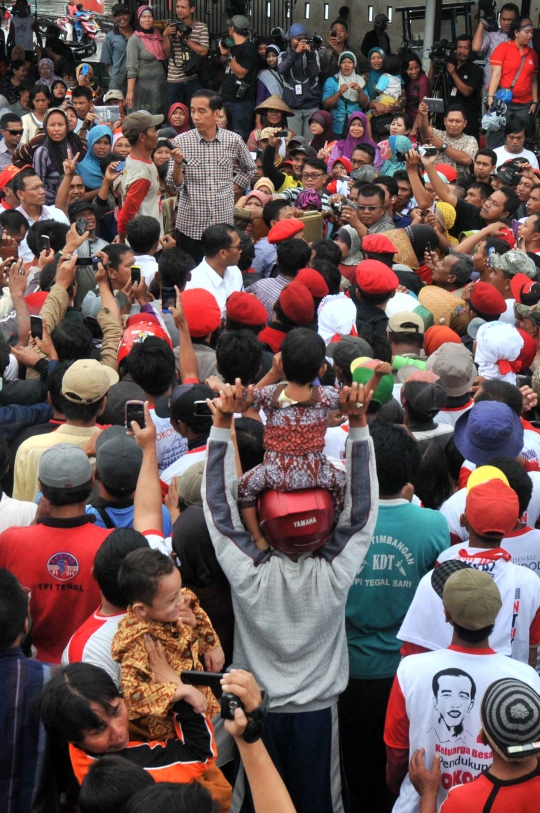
{"x":238,"y":246}
{"x":14,"y":132}
{"x":367,"y":208}
{"x":358,"y":162}
{"x":311,"y":176}
{"x":38,"y":188}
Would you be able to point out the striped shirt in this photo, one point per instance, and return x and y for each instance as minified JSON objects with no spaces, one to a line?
{"x":206,"y":194}
{"x":291,"y":195}
{"x":180,"y":52}
{"x":268,"y":291}
{"x":22,"y":748}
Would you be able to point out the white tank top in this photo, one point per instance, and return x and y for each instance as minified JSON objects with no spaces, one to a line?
{"x":24,"y":35}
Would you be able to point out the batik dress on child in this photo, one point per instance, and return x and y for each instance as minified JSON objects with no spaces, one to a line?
{"x":294,"y":442}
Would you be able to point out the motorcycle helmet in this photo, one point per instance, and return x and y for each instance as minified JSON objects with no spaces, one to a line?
{"x":138,"y":328}
{"x":296,"y":522}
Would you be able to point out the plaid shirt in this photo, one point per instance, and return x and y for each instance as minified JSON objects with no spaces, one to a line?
{"x":268,"y":291}
{"x":206,"y":194}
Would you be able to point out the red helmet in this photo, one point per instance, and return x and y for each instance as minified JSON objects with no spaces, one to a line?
{"x":138,"y":328}
{"x":296,"y":521}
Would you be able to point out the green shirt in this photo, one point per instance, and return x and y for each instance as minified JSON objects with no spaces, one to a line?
{"x":405,"y":545}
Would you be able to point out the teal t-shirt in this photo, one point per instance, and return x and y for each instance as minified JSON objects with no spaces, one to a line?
{"x":405,"y":545}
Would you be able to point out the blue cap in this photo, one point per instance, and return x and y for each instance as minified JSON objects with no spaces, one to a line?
{"x":297,"y":30}
{"x":487,"y":430}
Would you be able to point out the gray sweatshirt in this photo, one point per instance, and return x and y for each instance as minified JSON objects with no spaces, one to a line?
{"x":290,"y":616}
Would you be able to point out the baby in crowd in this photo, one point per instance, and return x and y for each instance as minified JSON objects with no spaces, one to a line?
{"x":160,"y":609}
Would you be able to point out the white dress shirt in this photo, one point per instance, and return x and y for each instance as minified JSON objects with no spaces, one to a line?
{"x":47,"y":213}
{"x":205,"y":277}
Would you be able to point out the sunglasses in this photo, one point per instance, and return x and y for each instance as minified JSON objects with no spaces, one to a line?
{"x":14,"y":132}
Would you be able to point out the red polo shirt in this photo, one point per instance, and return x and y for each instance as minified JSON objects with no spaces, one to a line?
{"x":509,"y":56}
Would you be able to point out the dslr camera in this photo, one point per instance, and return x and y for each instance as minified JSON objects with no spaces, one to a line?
{"x":487,"y":12}
{"x":441,"y":53}
{"x":182,"y":30}
{"x":241,"y":88}
{"x":315,"y":42}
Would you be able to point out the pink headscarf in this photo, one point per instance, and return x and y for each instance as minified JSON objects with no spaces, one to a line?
{"x":153,"y":41}
{"x":185,"y":126}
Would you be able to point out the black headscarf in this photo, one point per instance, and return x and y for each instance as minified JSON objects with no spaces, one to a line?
{"x":58,"y":149}
{"x":420,"y":235}
{"x":193,"y":546}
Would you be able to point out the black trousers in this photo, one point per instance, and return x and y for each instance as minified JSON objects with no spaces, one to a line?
{"x":190,"y":246}
{"x":362,"y":710}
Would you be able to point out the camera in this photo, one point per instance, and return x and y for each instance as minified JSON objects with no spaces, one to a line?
{"x":400,"y":156}
{"x":183,"y":30}
{"x":427,"y":151}
{"x":441,"y":53}
{"x":315,"y":42}
{"x":487,"y":12}
{"x":337,"y":207}
{"x":242,"y":88}
{"x":333,"y":33}
{"x":227,"y":43}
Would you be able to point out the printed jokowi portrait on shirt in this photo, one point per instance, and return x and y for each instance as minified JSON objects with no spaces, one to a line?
{"x":453,"y":698}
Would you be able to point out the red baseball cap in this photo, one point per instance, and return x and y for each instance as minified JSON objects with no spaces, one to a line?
{"x":8,"y":173}
{"x":314,"y":282}
{"x":492,"y":508}
{"x":448,"y":172}
{"x":297,"y":303}
{"x":202,"y":312}
{"x":528,"y":351}
{"x":507,"y":235}
{"x":486,"y":299}
{"x":374,"y":277}
{"x":246,"y":309}
{"x":524,"y":289}
{"x":378,"y":244}
{"x":284,"y":230}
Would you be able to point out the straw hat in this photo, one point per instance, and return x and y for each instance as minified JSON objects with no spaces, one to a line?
{"x":405,"y":252}
{"x":441,"y":303}
{"x":274,"y":103}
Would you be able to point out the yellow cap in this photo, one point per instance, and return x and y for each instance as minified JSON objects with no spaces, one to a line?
{"x":483,"y":474}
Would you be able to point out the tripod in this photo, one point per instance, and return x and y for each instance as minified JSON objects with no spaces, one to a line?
{"x":441,"y":90}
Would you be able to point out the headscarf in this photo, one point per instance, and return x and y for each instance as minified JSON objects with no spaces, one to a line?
{"x":350,"y":237}
{"x":399,"y":143}
{"x":374,"y":75}
{"x":498,"y":346}
{"x":58,"y":149}
{"x":437,"y":335}
{"x":116,"y":137}
{"x":324,"y":118}
{"x":446,"y":215}
{"x":270,"y":77}
{"x":265,"y":182}
{"x":261,"y":197}
{"x":185,"y":126}
{"x":89,"y":168}
{"x":347,"y":145}
{"x":54,"y":101}
{"x":350,"y":95}
{"x":308,"y":197}
{"x":420,"y":236}
{"x":152,"y":40}
{"x":336,"y":317}
{"x":48,"y":82}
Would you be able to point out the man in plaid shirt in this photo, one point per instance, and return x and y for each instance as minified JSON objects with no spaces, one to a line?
{"x":204,"y":165}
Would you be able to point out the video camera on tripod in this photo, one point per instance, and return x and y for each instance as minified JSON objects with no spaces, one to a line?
{"x":441,"y":53}
{"x":487,"y":12}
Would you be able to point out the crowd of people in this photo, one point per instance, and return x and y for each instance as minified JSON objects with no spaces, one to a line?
{"x":269,"y":422}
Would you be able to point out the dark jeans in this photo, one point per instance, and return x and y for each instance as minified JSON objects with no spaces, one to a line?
{"x":182,"y":91}
{"x":241,"y":117}
{"x":190,"y":246}
{"x":518,"y":111}
{"x":362,"y":710}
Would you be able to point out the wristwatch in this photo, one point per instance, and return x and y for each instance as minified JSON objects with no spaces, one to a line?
{"x":255,"y":728}
{"x":444,"y":146}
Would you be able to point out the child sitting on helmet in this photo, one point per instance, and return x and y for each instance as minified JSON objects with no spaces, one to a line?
{"x":294,"y":436}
